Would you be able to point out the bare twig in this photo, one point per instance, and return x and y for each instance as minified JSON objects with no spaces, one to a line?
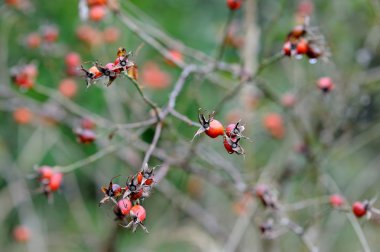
{"x":152,"y":146}
{"x":146,"y":100}
{"x":90,"y":159}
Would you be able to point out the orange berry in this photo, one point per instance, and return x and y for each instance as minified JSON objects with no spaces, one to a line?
{"x":97,"y":13}
{"x":68,"y":87}
{"x":22,"y":115}
{"x":91,"y":3}
{"x":274,"y":124}
{"x":21,"y":233}
{"x":154,"y":77}
{"x":174,"y":56}
{"x":216,"y":129}
{"x":302,"y":47}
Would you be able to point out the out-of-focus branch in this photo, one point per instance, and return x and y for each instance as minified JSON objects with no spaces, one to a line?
{"x":146,"y":99}
{"x":90,"y":159}
{"x":152,"y":146}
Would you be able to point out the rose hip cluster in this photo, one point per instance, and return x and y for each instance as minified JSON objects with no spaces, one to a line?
{"x":50,"y":180}
{"x":111,"y":70}
{"x":128,"y":199}
{"x":305,"y":40}
{"x":231,"y":134}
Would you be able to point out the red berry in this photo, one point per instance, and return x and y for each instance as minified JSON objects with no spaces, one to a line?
{"x":55,"y":182}
{"x":85,"y":136}
{"x":153,"y":77}
{"x":138,"y":213}
{"x":287,"y":48}
{"x":68,"y":87}
{"x":97,"y":13}
{"x":136,"y":194}
{"x":21,"y":234}
{"x":302,"y":47}
{"x":45,"y":173}
{"x":96,"y":2}
{"x":215,"y":129}
{"x":288,"y":100}
{"x":22,"y":115}
{"x":174,"y":56}
{"x":359,"y":209}
{"x":231,"y":144}
{"x":274,"y":125}
{"x":234,"y":4}
{"x":125,"y":206}
{"x":72,"y":59}
{"x":305,"y":8}
{"x":139,"y":177}
{"x":325,"y":84}
{"x":227,"y":146}
{"x":87,"y":123}
{"x":234,"y":130}
{"x":336,"y":200}
{"x":50,"y":33}
{"x":33,"y":40}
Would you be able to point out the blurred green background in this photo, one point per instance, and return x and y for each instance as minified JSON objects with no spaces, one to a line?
{"x":344,"y":127}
